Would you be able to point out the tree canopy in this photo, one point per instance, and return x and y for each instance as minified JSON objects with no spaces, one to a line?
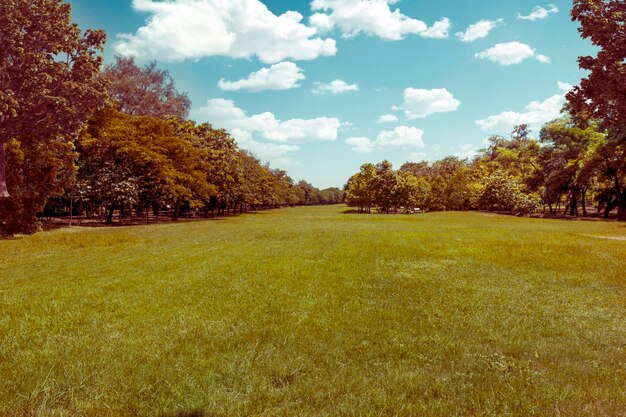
{"x":147,"y":91}
{"x":602,"y":94}
{"x":49,"y":85}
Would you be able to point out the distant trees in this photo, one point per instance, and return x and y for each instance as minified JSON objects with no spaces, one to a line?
{"x":116,"y":141}
{"x":49,"y":84}
{"x":566,"y":171}
{"x":391,"y":191}
{"x":144,"y":164}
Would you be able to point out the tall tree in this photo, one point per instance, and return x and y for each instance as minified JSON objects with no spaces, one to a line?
{"x":147,"y":91}
{"x":49,"y":85}
{"x":570,"y":162}
{"x":360,"y":190}
{"x":384,"y":186}
{"x":602,"y":94}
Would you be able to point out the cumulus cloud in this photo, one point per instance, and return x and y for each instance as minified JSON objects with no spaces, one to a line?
{"x":564,"y":86}
{"x":361,"y":144}
{"x":419,"y":103}
{"x":401,"y":137}
{"x":478,"y":30}
{"x":387,"y":118}
{"x":334,"y":87}
{"x":539,"y":13}
{"x":284,"y":136}
{"x":193,"y":29}
{"x":372,"y":17}
{"x":511,"y":53}
{"x":543,"y":59}
{"x":536,"y":114}
{"x":439,"y":30}
{"x":281,"y":76}
{"x":322,"y":22}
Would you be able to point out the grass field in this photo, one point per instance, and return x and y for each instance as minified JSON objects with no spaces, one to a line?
{"x":315,"y":312}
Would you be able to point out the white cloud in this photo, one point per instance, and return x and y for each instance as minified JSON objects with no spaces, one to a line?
{"x":543,"y":59}
{"x":334,"y":87}
{"x":387,"y":118}
{"x":539,"y":13}
{"x":373,"y":17}
{"x":284,"y":136}
{"x":564,"y":86}
{"x":360,"y":144}
{"x":224,"y":113}
{"x":466,"y":151}
{"x":284,"y":162}
{"x":322,"y":22}
{"x":401,"y":137}
{"x":439,"y":30}
{"x":193,"y":29}
{"x":478,"y":30}
{"x":511,"y":53}
{"x":281,"y":76}
{"x":536,"y":114}
{"x":419,"y":103}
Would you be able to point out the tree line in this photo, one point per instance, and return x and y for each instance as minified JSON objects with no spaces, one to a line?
{"x":77,"y":137}
{"x":577,"y":161}
{"x":569,"y":168}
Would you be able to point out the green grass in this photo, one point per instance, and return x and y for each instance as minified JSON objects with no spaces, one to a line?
{"x":313,"y":312}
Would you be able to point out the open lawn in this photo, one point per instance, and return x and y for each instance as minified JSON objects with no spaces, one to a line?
{"x":316,"y":312}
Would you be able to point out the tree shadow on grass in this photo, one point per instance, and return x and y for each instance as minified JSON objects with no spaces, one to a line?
{"x":63,"y":222}
{"x":350,"y":211}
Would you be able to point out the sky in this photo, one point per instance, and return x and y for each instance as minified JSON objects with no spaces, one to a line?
{"x":320,"y":87}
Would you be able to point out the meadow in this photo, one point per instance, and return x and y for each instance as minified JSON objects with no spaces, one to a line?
{"x":316,"y":311}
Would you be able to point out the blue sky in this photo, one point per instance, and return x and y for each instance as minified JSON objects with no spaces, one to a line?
{"x":305,"y":84}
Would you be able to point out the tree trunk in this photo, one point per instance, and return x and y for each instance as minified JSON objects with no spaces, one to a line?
{"x":573,"y":210}
{"x":176,"y":209}
{"x":607,"y":209}
{"x":121,"y":213}
{"x":110,"y":215}
{"x":621,"y":206}
{"x":4,"y":192}
{"x":583,"y":201}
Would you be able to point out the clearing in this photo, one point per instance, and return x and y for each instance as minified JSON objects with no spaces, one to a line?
{"x":311,"y":311}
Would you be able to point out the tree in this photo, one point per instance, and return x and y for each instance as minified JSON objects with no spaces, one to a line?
{"x":384,"y":186}
{"x":126,"y":160}
{"x":602,"y":94}
{"x":570,"y":162}
{"x":449,"y":181}
{"x":503,"y":192}
{"x":147,"y":91}
{"x":410,"y":192}
{"x":49,"y":85}
{"x":360,"y":190}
